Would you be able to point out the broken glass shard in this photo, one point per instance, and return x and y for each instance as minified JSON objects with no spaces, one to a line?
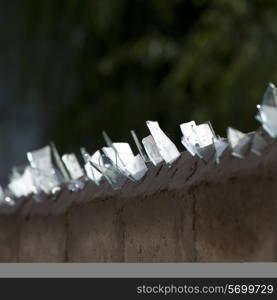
{"x":104,"y":165}
{"x":46,"y":176}
{"x":123,"y":158}
{"x":107,"y":139}
{"x":2,"y":194}
{"x":139,"y":146}
{"x":267,"y":116}
{"x":258,"y":144}
{"x":91,"y":172}
{"x":22,"y":184}
{"x":238,"y":141}
{"x":137,"y":167}
{"x":189,"y":139}
{"x":219,"y":145}
{"x":72,"y":164}
{"x":112,"y":153}
{"x":166,"y":147}
{"x":58,"y":163}
{"x":198,"y":139}
{"x":270,"y":96}
{"x":152,"y":150}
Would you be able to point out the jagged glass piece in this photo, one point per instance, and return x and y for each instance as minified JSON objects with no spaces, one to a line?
{"x":123,"y":158}
{"x":238,"y":141}
{"x":189,"y":138}
{"x":267,"y":111}
{"x":64,"y":176}
{"x":270,"y":96}
{"x":219,"y":145}
{"x":137,"y":167}
{"x":92,"y":173}
{"x":258,"y":144}
{"x":104,"y":165}
{"x":152,"y":150}
{"x":72,"y":164}
{"x":166,"y":147}
{"x":22,"y":184}
{"x":2,"y":194}
{"x":140,"y":148}
{"x":198,"y":139}
{"x":46,"y":176}
{"x":267,"y":116}
{"x":107,"y":139}
{"x":112,"y":153}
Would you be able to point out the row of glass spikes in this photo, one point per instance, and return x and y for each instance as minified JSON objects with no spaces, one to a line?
{"x":47,"y":172}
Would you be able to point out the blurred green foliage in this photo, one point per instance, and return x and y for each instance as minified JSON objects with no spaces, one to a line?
{"x":113,"y":65}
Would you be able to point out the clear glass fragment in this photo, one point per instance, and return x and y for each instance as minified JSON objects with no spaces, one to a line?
{"x":198,"y":139}
{"x":238,"y":141}
{"x":219,"y":145}
{"x":104,"y":165}
{"x":58,"y":163}
{"x":72,"y":164}
{"x":206,"y":153}
{"x":258,"y":144}
{"x":270,"y":96}
{"x":91,"y":172}
{"x":112,"y":153}
{"x":123,"y":158}
{"x":137,"y":167}
{"x":152,"y":150}
{"x":139,"y":146}
{"x":267,"y":116}
{"x":107,"y":139}
{"x":22,"y":184}
{"x":2,"y":194}
{"x":166,"y":147}
{"x":46,"y":176}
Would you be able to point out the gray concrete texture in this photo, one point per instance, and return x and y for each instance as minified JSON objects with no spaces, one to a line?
{"x":191,"y":212}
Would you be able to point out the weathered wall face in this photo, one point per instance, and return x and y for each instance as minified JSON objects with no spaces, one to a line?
{"x":189,"y":212}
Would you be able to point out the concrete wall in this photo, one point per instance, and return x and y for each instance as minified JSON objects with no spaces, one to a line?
{"x":189,"y":212}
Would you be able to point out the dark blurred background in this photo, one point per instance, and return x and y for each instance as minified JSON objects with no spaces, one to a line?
{"x":69,"y":69}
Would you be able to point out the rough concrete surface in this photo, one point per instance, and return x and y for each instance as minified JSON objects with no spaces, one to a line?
{"x":190,"y":212}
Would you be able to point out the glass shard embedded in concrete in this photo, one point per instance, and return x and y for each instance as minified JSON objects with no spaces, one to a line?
{"x":267,"y":116}
{"x":219,"y":145}
{"x":123,"y":157}
{"x":238,"y":141}
{"x":58,"y":164}
{"x":267,"y":111}
{"x":139,"y":146}
{"x":73,"y":167}
{"x":45,"y":175}
{"x":91,"y":172}
{"x":258,"y":144}
{"x":152,"y":150}
{"x":104,"y":165}
{"x":166,"y":147}
{"x":270,"y":96}
{"x":198,"y":139}
{"x":22,"y":184}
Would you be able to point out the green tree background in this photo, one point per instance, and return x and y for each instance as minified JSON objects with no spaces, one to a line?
{"x":103,"y":64}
